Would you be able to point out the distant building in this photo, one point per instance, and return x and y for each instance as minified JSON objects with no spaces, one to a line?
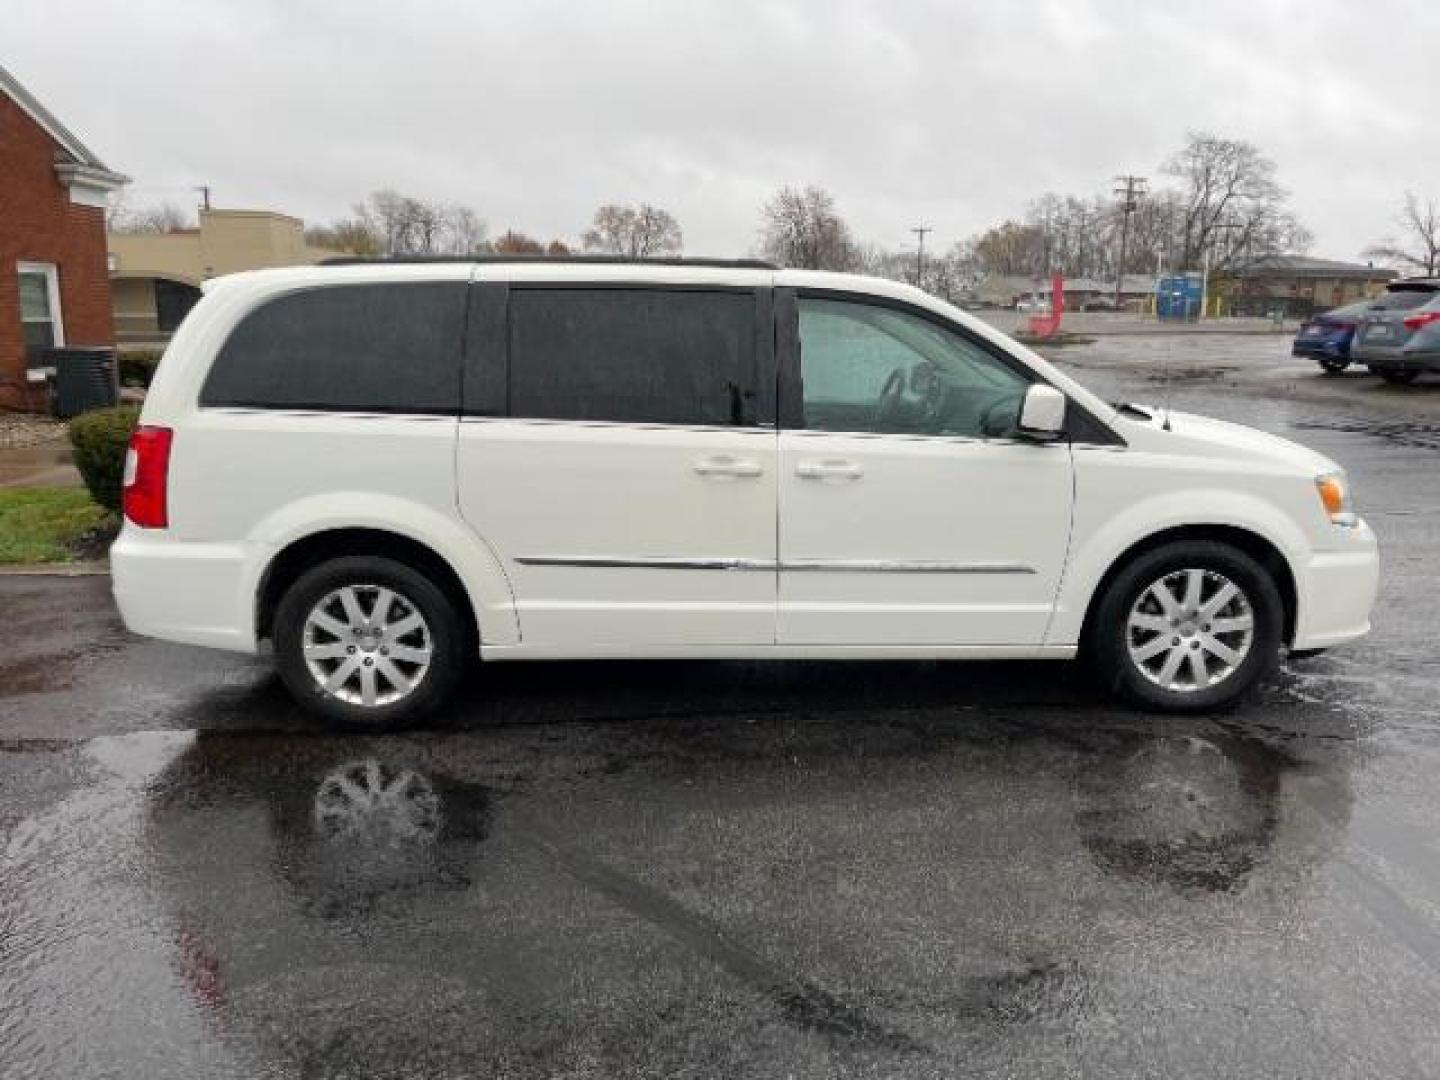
{"x":156,"y":277}
{"x":1298,"y":285}
{"x":53,"y":286}
{"x":1006,"y":290}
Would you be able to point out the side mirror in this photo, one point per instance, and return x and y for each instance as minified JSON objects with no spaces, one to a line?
{"x":1042,"y":413}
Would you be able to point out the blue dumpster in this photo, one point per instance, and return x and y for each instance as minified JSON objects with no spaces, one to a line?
{"x":1178,"y":297}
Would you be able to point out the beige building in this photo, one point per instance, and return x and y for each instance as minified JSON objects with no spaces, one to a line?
{"x":1298,"y":285}
{"x":156,"y":277}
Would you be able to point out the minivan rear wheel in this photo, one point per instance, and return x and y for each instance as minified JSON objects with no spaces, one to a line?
{"x":1188,"y":627}
{"x":368,"y":642}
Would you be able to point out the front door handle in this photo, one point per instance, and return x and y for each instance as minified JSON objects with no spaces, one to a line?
{"x":829,"y":469}
{"x":726,"y":466}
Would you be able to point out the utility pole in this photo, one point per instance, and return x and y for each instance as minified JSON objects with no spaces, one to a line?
{"x":920,"y":231}
{"x":1129,"y":190}
{"x":204,"y":190}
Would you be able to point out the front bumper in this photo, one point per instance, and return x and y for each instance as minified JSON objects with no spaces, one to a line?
{"x":193,"y":593}
{"x":1336,"y":591}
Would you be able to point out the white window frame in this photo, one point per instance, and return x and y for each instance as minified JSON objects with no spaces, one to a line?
{"x":57,"y":316}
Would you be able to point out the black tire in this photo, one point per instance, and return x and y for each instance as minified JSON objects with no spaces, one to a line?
{"x":1108,"y":634}
{"x":1334,"y":367}
{"x":1398,"y":378}
{"x":447,"y":639}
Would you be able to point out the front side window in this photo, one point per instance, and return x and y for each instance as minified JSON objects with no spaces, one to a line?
{"x":351,"y":348}
{"x":39,"y":310}
{"x":639,"y":356}
{"x":869,"y":368}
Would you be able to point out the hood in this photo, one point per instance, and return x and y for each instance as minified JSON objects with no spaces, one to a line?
{"x":1220,"y":438}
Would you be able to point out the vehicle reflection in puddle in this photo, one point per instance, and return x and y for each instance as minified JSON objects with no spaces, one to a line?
{"x":374,"y":833}
{"x":782,"y":888}
{"x":1196,"y":813}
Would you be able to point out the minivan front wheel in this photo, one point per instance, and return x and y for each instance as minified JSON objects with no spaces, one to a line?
{"x":1188,"y":627}
{"x":368,"y":642}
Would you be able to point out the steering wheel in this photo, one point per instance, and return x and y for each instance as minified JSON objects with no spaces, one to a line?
{"x":998,"y":419}
{"x":891,"y":394}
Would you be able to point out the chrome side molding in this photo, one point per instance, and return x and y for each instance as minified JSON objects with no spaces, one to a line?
{"x":657,"y":562}
{"x":860,"y":566}
{"x":904,"y":566}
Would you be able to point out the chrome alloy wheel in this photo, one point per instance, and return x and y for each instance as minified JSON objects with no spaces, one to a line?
{"x":1190,"y":630}
{"x":367,"y":645}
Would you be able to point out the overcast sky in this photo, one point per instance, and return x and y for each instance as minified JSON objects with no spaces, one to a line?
{"x":947,"y":113}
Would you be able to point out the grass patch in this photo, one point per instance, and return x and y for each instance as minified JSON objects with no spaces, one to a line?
{"x":49,"y":524}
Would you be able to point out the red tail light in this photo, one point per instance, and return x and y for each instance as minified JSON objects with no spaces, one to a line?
{"x":1425,"y":318}
{"x":147,"y":469}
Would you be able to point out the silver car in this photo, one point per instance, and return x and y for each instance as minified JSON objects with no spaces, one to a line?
{"x":1399,"y":335}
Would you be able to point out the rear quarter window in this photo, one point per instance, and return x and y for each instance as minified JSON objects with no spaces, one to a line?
{"x":1404,"y":299}
{"x":347,"y":348}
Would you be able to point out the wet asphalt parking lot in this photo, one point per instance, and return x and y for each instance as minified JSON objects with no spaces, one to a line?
{"x":801,"y":870}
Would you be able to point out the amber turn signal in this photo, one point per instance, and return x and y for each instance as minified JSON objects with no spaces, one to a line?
{"x":1335,"y":495}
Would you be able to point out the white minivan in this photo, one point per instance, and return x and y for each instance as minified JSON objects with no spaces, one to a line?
{"x":386,"y":468}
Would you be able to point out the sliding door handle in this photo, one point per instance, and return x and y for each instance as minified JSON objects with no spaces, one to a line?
{"x":723,"y":465}
{"x":831,"y":469}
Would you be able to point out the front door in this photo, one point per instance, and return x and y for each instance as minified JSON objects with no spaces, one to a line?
{"x":623,"y":469}
{"x":909,"y":512}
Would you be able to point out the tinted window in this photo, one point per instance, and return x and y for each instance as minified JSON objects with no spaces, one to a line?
{"x":362,"y":348}
{"x":870,"y":368}
{"x":1403,"y":298}
{"x":635,"y":356}
{"x":1349,"y":311}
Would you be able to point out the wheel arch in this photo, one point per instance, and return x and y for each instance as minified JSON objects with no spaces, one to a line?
{"x":1252,"y":543}
{"x":307,"y":551}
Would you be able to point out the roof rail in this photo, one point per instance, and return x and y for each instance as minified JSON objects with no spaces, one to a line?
{"x":601,"y":260}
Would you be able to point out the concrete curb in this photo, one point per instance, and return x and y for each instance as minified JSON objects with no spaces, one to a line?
{"x":93,"y":568}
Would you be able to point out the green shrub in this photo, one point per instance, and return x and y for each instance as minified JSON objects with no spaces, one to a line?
{"x":100,"y":439}
{"x":137,"y":366}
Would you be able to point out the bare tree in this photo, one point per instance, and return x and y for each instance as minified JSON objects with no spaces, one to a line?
{"x":803,"y":229}
{"x":348,"y":234}
{"x":389,"y":223}
{"x":1011,"y":248}
{"x":633,"y":231}
{"x":1420,"y":249}
{"x":1233,"y":210}
{"x":462,"y":230}
{"x":167,"y":217}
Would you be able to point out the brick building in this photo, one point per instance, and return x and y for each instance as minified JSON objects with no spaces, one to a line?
{"x":54,"y":279}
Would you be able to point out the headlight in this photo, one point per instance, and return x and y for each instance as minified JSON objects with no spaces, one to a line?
{"x":1335,"y":496}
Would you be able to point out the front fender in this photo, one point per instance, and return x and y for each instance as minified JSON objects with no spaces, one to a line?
{"x":1095,"y":551}
{"x":480,"y":571}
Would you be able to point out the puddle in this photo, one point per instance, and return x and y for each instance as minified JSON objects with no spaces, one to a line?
{"x":1419,"y":434}
{"x":1193,"y":373}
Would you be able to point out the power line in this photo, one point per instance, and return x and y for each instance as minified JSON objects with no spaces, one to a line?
{"x":920,"y":231}
{"x":1129,"y":190}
